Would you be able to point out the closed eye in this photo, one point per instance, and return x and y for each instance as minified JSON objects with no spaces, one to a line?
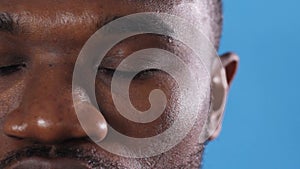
{"x":8,"y":70}
{"x":141,"y":75}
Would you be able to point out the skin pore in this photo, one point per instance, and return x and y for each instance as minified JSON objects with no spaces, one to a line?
{"x":38,"y":51}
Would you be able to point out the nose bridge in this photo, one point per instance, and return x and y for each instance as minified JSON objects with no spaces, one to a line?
{"x":49,"y":90}
{"x":48,"y":93}
{"x":46,"y":113}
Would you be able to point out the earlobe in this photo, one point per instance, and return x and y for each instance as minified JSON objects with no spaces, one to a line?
{"x":221,"y":80}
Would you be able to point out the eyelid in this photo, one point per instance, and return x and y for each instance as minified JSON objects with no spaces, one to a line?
{"x":11,"y":65}
{"x":7,"y":70}
{"x":140,"y":63}
{"x":8,"y":59}
{"x":111,"y":62}
{"x":111,"y":72}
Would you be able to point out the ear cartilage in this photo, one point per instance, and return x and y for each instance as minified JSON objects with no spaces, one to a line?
{"x":219,"y":89}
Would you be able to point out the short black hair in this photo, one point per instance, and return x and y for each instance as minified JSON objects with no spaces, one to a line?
{"x":216,"y":17}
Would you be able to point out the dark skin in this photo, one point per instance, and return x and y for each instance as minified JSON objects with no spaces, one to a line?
{"x":37,"y":60}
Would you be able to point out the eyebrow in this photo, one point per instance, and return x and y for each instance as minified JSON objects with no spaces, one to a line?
{"x":9,"y":24}
{"x":6,"y":22}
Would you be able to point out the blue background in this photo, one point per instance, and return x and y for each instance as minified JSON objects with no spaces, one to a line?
{"x":262,"y":120}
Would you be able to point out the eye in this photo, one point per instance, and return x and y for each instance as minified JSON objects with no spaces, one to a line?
{"x":8,"y":70}
{"x":107,"y":71}
{"x":126,"y":74}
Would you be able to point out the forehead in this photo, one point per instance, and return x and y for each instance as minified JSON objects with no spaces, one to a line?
{"x":83,"y":17}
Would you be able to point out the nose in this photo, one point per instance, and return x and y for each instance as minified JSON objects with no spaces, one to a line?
{"x":46,"y":113}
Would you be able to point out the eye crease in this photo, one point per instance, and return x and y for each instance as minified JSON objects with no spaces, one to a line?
{"x":144,"y":74}
{"x":8,"y":70}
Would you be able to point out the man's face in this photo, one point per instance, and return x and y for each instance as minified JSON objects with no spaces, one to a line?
{"x":38,"y":124}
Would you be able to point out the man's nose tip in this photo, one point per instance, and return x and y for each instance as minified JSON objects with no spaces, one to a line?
{"x":42,"y":129}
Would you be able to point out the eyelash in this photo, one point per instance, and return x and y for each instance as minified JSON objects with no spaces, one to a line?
{"x":145,"y":73}
{"x":8,"y":70}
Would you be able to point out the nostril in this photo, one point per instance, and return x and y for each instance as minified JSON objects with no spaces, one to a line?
{"x":42,"y":129}
{"x":13,"y":126}
{"x":16,"y":138}
{"x":48,"y":118}
{"x":92,"y":121}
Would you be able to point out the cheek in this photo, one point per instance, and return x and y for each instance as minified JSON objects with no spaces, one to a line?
{"x":10,"y":98}
{"x":10,"y":94}
{"x":139,"y":91}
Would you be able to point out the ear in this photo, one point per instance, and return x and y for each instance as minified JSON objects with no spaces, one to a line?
{"x":230,"y":61}
{"x":221,"y":81}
